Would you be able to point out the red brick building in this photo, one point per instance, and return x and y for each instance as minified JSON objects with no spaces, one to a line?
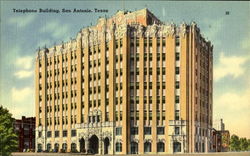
{"x":220,"y":140}
{"x":25,"y":129}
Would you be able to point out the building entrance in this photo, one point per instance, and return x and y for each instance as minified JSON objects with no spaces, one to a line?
{"x":177,"y":147}
{"x":82,"y":145}
{"x":106,"y":146}
{"x":93,"y":144}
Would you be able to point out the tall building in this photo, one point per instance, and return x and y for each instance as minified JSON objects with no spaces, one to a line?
{"x":25,"y":130}
{"x":219,"y":125}
{"x":130,"y":84}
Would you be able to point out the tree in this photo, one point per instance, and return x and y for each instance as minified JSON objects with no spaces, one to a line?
{"x":243,"y":144}
{"x":8,"y":138}
{"x":248,"y":148}
{"x":234,"y":143}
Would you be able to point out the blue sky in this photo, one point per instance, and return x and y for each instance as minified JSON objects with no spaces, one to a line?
{"x":23,"y":33}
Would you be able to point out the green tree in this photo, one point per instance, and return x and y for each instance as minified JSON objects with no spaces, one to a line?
{"x":8,"y":138}
{"x":248,"y":148}
{"x":243,"y":144}
{"x":234,"y":143}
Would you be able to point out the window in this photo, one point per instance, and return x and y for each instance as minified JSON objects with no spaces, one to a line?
{"x":177,"y":56}
{"x":65,"y":133}
{"x":134,"y":148}
{"x":73,"y":147}
{"x":39,"y":134}
{"x":163,"y":41}
{"x":177,"y":99}
{"x":98,"y":118}
{"x":56,"y":133}
{"x":177,"y":115}
{"x":177,"y":41}
{"x":64,"y":146}
{"x":147,"y":147}
{"x":73,"y":133}
{"x":177,"y":130}
{"x":150,"y":115}
{"x":49,"y":134}
{"x":177,"y":70}
{"x":107,"y":116}
{"x":118,"y":131}
{"x":134,"y":130}
{"x":118,"y":147}
{"x":177,"y":84}
{"x":147,"y":130}
{"x":56,"y":147}
{"x":160,"y":130}
{"x":160,"y":147}
{"x":177,"y":147}
{"x":48,"y":147}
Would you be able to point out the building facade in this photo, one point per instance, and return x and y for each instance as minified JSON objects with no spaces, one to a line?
{"x":25,"y":129}
{"x":130,"y":84}
{"x":219,"y":125}
{"x":221,"y":137}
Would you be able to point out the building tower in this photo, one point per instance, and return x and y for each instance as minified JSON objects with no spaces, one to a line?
{"x":130,"y":84}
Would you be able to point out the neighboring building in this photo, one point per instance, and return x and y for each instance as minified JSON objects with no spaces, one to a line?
{"x":225,"y":140}
{"x":25,"y":129}
{"x":216,"y":145}
{"x":131,"y":84}
{"x":219,"y":125}
{"x":221,"y":137}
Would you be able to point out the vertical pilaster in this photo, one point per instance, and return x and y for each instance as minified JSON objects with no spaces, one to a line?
{"x":160,"y":109}
{"x":103,"y":78}
{"x":184,"y":82}
{"x":154,"y":94}
{"x":183,"y":77}
{"x":60,"y":98}
{"x":52,"y":91}
{"x":141,"y":94}
{"x":37,"y":84}
{"x":44,"y":93}
{"x":125,"y":107}
{"x":37,"y":96}
{"x":79,"y":80}
{"x":170,"y":81}
{"x":193,"y":88}
{"x":70,"y":78}
{"x":86,"y":83}
{"x":111,"y":78}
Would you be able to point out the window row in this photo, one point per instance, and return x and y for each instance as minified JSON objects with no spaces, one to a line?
{"x":64,"y":134}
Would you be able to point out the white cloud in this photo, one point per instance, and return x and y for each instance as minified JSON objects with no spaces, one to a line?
{"x":24,"y":66}
{"x":229,"y":66}
{"x":20,"y":95}
{"x":22,"y":102}
{"x":23,"y":74}
{"x":234,"y":108}
{"x":21,"y":21}
{"x":234,"y":100}
{"x":56,"y":29}
{"x":24,"y":62}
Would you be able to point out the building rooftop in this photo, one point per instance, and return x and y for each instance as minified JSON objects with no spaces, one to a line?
{"x":122,"y":19}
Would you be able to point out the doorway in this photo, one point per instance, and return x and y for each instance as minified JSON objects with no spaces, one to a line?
{"x":93,"y":145}
{"x":106,"y":145}
{"x":82,"y":145}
